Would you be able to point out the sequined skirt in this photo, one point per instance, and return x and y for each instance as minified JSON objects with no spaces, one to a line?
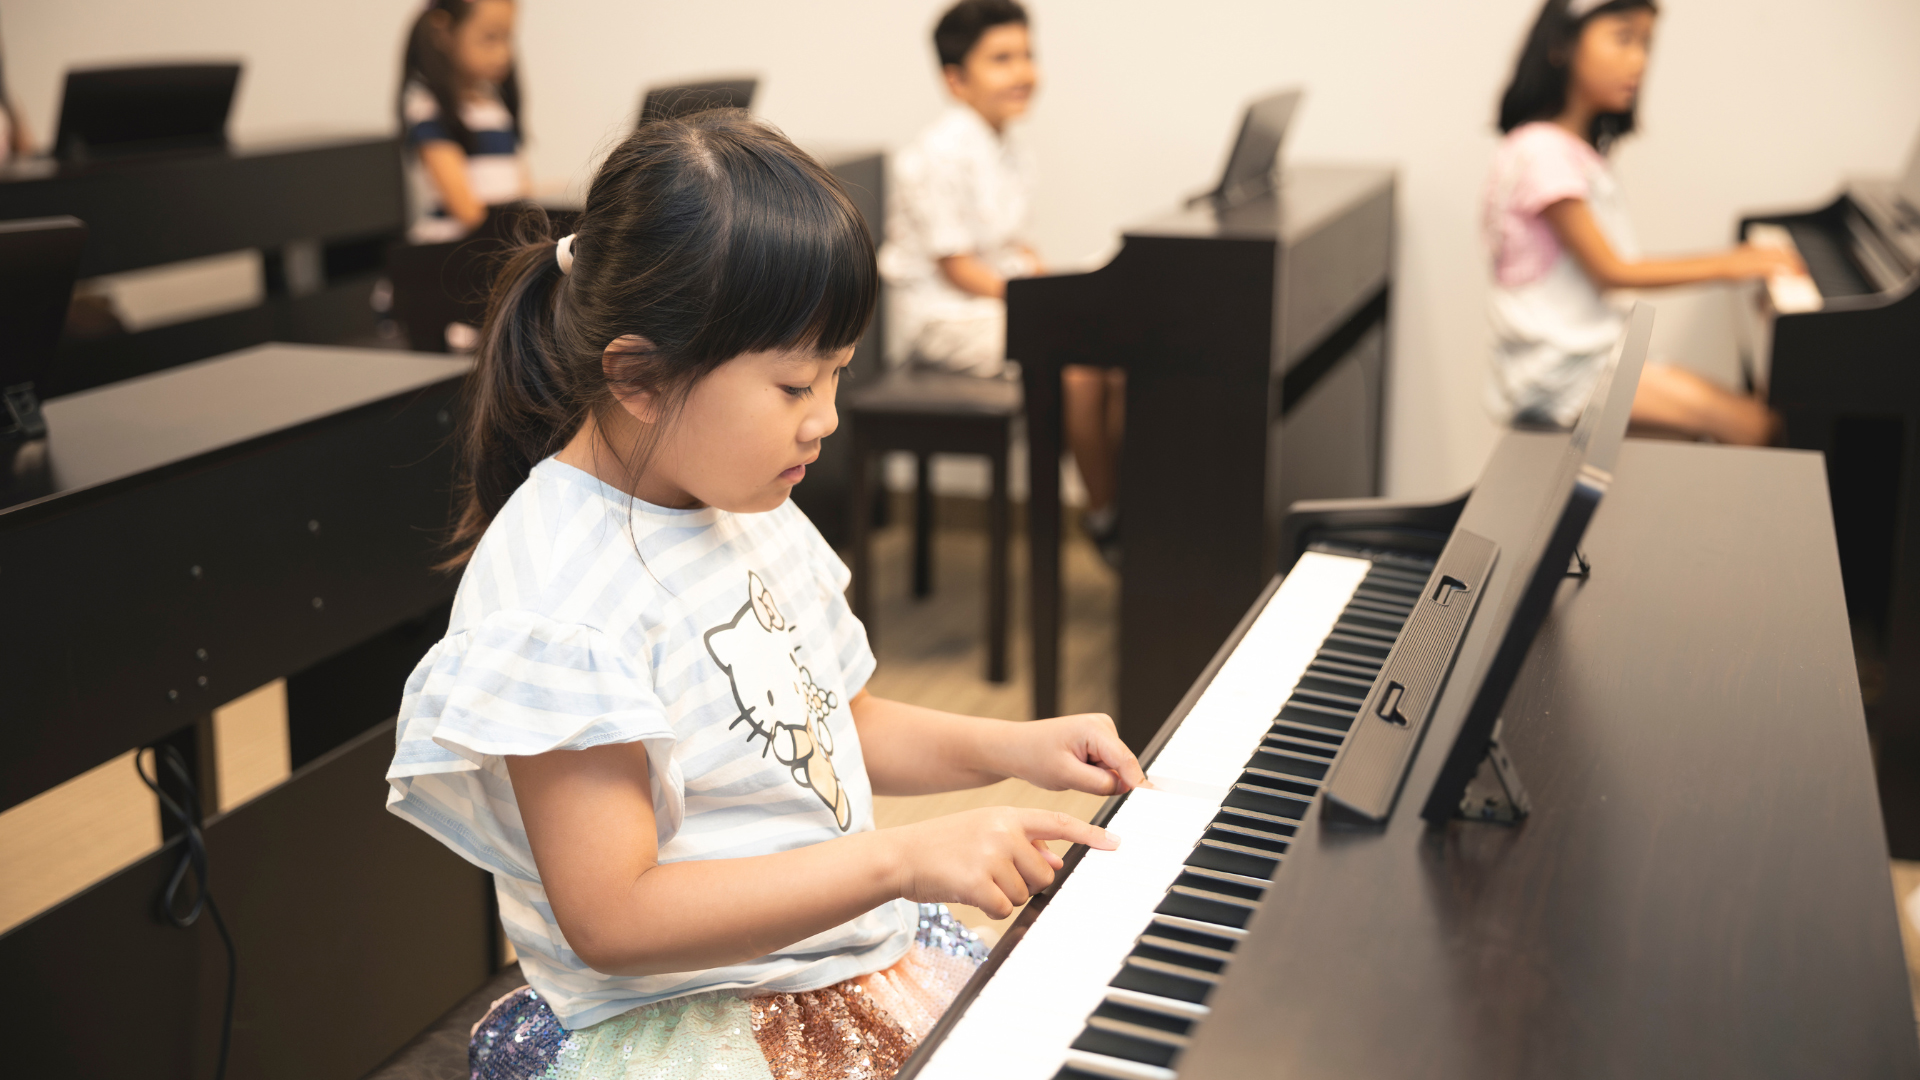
{"x":860,"y":1029}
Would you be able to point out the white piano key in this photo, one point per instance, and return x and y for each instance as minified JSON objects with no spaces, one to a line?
{"x":1233,"y":713}
{"x":1789,"y":293}
{"x":1021,"y":1023}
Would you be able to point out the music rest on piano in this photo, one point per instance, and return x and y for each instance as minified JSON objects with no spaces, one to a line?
{"x":1837,"y":361}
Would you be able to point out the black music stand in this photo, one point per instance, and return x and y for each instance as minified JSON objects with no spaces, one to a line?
{"x":121,"y":112}
{"x":673,"y":102}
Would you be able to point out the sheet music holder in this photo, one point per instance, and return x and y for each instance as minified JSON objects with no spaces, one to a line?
{"x":1253,"y":165}
{"x":1366,"y":781}
{"x":39,"y":260}
{"x":119,"y":112}
{"x":671,"y":102}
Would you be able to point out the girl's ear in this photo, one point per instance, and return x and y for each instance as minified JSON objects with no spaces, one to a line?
{"x":620,"y":361}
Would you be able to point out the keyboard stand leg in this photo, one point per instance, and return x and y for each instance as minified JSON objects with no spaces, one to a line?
{"x":1496,"y":793}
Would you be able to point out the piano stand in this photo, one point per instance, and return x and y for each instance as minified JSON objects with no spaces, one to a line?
{"x":1496,"y":793}
{"x":1579,"y":567}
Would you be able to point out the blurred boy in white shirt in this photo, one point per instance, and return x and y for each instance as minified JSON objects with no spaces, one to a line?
{"x":956,"y":231}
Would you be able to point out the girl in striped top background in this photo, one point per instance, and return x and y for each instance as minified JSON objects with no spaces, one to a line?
{"x":460,"y":113}
{"x":648,"y":718}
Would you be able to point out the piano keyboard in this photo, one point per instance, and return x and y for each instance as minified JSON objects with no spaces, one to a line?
{"x":1790,"y":293}
{"x":1113,"y":975}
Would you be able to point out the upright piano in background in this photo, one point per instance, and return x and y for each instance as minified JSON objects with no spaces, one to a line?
{"x":1254,"y":341}
{"x":320,"y":210}
{"x":1843,"y":369}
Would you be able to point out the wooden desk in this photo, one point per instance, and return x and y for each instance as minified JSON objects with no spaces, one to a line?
{"x":1702,"y":889}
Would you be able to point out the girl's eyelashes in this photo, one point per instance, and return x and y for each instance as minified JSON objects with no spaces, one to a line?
{"x":798,"y":391}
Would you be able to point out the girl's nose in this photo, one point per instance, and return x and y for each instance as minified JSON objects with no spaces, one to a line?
{"x":820,"y":422}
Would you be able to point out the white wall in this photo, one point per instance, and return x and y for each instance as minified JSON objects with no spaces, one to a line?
{"x":1751,"y":103}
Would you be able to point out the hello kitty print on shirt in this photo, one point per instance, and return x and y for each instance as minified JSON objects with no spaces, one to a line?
{"x":777,"y":696}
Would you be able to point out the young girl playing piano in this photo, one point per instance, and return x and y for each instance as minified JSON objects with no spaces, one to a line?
{"x":460,"y":113}
{"x":1560,"y":237}
{"x":648,"y":717}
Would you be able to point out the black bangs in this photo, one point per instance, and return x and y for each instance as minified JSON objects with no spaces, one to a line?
{"x":794,"y":266}
{"x":704,"y":237}
{"x":1538,"y":89}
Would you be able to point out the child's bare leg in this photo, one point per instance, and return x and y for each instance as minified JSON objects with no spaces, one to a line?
{"x":1677,"y":399}
{"x":1085,"y":413}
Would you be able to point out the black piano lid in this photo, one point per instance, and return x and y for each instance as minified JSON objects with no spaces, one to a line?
{"x":141,"y":429}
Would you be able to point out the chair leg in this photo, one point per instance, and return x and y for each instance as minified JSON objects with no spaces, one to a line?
{"x":861,"y":529}
{"x":922,"y":526}
{"x":997,"y":586}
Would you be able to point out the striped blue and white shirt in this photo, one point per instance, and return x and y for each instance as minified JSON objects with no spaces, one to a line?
{"x":496,"y":172}
{"x":722,"y":642}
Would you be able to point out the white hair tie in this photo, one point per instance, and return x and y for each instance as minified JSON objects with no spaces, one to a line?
{"x":563,"y":253}
{"x":1580,"y":9}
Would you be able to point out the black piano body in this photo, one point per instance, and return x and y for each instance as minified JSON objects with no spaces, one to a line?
{"x":178,"y":540}
{"x":320,"y":209}
{"x":1254,"y":341}
{"x":1846,"y":378}
{"x":1699,"y":890}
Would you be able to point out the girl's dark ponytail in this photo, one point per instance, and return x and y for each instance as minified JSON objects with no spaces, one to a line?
{"x":702,"y":238}
{"x":514,"y":415}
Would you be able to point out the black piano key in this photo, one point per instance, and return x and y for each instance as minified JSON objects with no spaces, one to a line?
{"x":1369,"y":663}
{"x":1234,"y":858}
{"x":1330,"y":698}
{"x":1180,"y":958}
{"x":1317,"y":740}
{"x":1265,"y":800}
{"x":1331,"y":683}
{"x":1205,"y":905}
{"x":1116,"y":1040}
{"x":1168,"y":945}
{"x":1326,"y":662}
{"x":1262,"y":776}
{"x":1143,"y":976}
{"x":1380,"y":605}
{"x":1290,"y":762}
{"x":1362,"y":628}
{"x":1170,"y":928}
{"x":1143,"y":1018}
{"x":1230,"y":886}
{"x":1261,"y":836}
{"x":1305,"y":712}
{"x":1349,"y":645}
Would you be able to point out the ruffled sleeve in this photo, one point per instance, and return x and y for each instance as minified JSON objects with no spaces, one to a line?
{"x":518,"y":684}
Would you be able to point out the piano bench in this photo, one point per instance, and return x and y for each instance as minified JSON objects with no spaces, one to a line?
{"x":440,"y":1052}
{"x":930,"y":413}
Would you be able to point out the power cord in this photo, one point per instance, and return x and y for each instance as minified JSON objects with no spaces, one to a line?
{"x":193,"y":858}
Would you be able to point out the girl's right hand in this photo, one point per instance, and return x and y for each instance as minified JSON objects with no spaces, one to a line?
{"x":994,"y":858}
{"x":1754,"y":261}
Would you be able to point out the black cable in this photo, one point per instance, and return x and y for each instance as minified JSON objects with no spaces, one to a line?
{"x":193,"y":858}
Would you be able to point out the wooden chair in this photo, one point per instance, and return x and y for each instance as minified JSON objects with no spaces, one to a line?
{"x":931,"y":413}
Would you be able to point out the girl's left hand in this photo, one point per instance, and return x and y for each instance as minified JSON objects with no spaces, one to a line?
{"x":1081,"y":752}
